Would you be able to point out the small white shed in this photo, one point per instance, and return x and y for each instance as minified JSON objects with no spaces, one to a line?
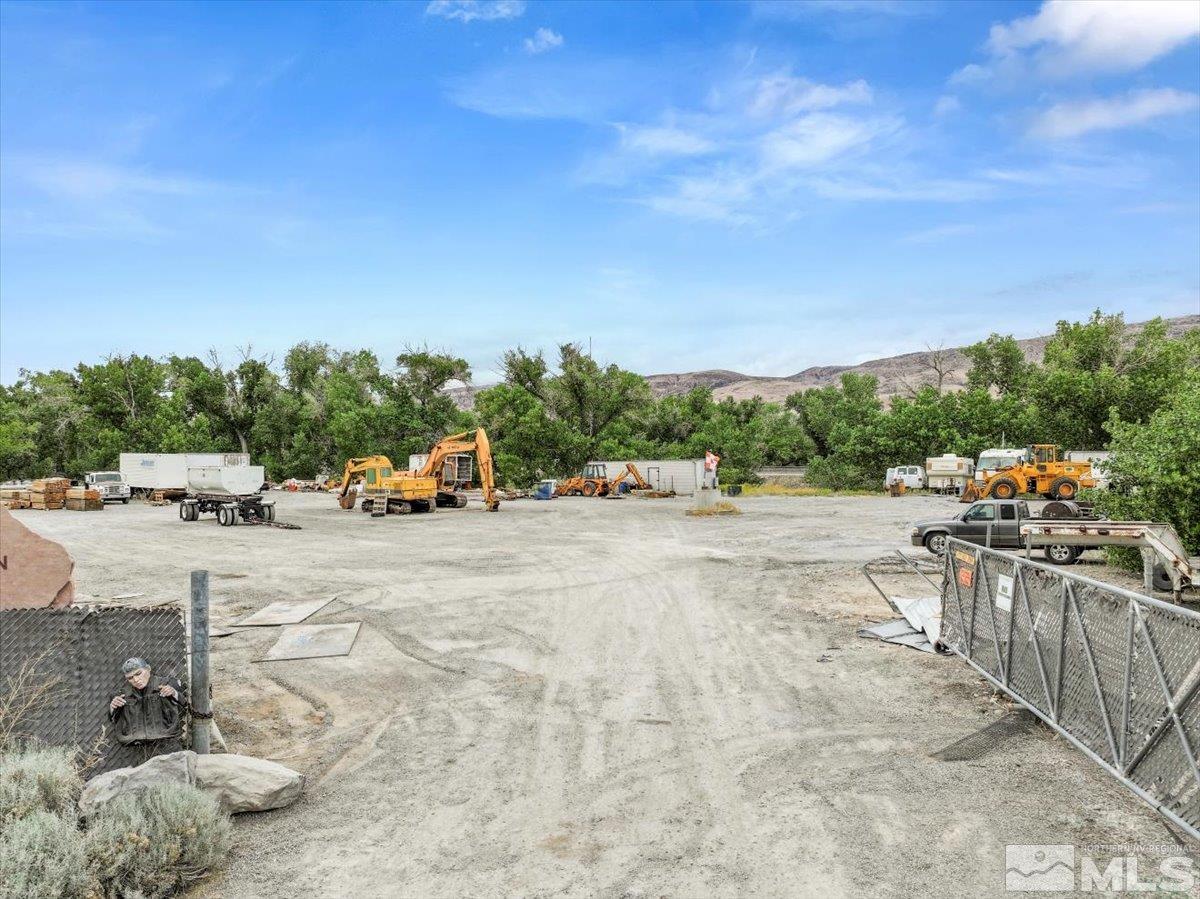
{"x":684,"y":476}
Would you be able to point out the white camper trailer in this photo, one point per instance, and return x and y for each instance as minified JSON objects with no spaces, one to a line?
{"x":949,"y":473}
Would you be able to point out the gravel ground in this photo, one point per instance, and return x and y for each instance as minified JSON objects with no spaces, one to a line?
{"x":604,"y":697}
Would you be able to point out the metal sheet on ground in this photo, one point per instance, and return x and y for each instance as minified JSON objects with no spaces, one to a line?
{"x":313,"y":641}
{"x":285,"y":611}
{"x":887,"y":629}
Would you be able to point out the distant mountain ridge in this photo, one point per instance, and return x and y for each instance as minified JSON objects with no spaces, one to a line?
{"x":897,"y":375}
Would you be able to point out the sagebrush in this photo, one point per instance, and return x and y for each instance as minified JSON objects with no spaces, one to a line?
{"x":153,"y":844}
{"x":42,"y":857}
{"x":37,"y":780}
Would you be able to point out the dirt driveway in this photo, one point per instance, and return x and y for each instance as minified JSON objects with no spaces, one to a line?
{"x":596,"y":697}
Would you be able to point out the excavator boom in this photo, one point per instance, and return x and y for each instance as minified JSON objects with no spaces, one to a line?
{"x":465,"y":442}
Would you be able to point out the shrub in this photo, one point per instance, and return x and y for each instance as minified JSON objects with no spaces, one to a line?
{"x":42,"y":857}
{"x":33,"y":780}
{"x":154,"y":843}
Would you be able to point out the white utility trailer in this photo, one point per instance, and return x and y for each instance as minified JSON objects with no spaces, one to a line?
{"x":682,"y":476}
{"x":1166,"y":564}
{"x":232,"y":492}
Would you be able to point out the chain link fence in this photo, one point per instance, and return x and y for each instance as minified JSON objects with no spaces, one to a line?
{"x":59,"y":668}
{"x":1115,"y":672}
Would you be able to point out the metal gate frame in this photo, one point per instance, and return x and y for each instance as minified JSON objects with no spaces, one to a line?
{"x":1120,"y":708}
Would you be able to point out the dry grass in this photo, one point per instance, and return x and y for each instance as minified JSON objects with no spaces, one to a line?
{"x":721,"y":508}
{"x":780,"y":490}
{"x":24,"y":693}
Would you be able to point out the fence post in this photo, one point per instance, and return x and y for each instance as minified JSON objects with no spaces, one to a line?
{"x":201,"y":698}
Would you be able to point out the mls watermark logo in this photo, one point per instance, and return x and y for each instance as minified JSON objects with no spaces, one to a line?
{"x":1044,"y":869}
{"x":1033,"y":869}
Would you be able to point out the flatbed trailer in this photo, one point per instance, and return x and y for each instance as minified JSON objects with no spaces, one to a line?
{"x":230,"y":509}
{"x":1166,"y":564}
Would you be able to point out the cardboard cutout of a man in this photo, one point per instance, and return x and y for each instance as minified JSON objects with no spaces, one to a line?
{"x":148,"y":711}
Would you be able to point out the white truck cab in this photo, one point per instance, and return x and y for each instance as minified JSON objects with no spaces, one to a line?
{"x":109,"y":484}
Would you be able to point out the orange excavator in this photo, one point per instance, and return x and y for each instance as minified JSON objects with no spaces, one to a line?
{"x":386,"y":491}
{"x":439,"y":465}
{"x":595,"y":482}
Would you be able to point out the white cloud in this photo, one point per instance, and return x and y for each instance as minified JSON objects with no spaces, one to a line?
{"x":947,"y":105}
{"x":83,"y":180}
{"x":781,"y":93}
{"x":476,"y":10}
{"x":543,"y":39}
{"x":663,"y":140}
{"x":1069,"y":37}
{"x":818,"y":138}
{"x":1074,"y":118}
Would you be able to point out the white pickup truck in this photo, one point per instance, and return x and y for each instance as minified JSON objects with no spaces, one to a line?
{"x":110,"y":485}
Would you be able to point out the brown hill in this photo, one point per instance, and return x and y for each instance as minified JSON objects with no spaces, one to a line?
{"x":898,"y":375}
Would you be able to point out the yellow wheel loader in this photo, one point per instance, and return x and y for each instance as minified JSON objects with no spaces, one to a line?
{"x":1042,"y":473}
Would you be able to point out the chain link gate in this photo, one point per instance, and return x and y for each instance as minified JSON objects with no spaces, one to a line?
{"x":71,"y":658}
{"x":1115,"y":672}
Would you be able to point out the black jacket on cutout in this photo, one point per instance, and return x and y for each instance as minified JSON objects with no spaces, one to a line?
{"x":147,"y":716}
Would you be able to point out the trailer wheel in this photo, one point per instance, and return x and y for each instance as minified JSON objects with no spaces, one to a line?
{"x":268,"y":513}
{"x":1161,"y":580}
{"x":1004,"y":488}
{"x":222,"y":517}
{"x":125,"y":501}
{"x":183,"y":516}
{"x":1064,"y":488}
{"x":1062,"y":554}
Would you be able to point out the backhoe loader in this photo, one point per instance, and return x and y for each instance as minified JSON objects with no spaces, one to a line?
{"x":447,"y":488}
{"x":1043,"y":473}
{"x":595,"y":482}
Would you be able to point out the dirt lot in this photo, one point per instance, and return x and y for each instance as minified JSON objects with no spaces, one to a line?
{"x":595,"y":697}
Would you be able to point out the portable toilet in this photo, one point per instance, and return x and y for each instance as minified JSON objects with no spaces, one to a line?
{"x":545,"y":489}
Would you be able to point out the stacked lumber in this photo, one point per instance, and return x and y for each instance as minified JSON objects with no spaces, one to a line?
{"x":14,"y":497}
{"x":48,"y":493}
{"x":82,"y":499}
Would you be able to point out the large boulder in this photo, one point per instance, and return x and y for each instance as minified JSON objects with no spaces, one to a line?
{"x":37,"y":571}
{"x":174,"y":767}
{"x":241,"y":783}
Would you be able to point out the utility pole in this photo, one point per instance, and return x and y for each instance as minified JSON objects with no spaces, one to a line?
{"x":201,"y":694}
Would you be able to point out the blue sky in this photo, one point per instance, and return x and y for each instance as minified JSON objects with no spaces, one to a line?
{"x":757,"y":186}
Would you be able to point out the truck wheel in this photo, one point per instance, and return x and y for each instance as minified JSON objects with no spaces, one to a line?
{"x":936,"y":543}
{"x":125,"y":501}
{"x":268,"y":513}
{"x":1061,"y":554}
{"x":1064,"y":488}
{"x":1004,"y":488}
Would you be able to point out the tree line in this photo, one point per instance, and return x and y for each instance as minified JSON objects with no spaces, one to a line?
{"x":306,"y":415}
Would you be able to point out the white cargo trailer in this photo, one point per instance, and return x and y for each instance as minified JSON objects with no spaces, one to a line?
{"x":169,"y":471}
{"x":684,"y":476}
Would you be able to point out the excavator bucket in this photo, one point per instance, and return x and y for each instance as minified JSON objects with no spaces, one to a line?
{"x":347,"y":501}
